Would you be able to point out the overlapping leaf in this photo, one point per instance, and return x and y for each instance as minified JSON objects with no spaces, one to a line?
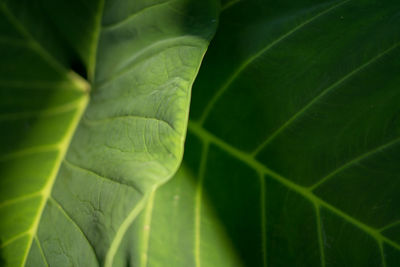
{"x":293,"y":150}
{"x":75,"y":171}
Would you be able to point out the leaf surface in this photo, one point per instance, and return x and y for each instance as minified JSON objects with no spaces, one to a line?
{"x":79,"y":157}
{"x":294,"y":142}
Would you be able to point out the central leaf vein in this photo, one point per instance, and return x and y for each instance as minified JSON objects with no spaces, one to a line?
{"x":197,"y":129}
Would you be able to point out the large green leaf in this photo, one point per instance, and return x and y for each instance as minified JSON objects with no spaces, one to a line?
{"x":294,"y":146}
{"x":75,"y":172}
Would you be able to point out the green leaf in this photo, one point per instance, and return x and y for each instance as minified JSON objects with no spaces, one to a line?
{"x":293,"y":150}
{"x":79,"y":158}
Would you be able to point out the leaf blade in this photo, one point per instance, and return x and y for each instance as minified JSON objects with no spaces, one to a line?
{"x":319,"y":105}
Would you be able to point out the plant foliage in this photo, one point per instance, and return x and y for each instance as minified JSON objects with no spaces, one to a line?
{"x":80,"y":156}
{"x":293,"y":147}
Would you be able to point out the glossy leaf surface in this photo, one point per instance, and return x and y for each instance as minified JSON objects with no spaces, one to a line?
{"x":78,"y":158}
{"x":293,"y":150}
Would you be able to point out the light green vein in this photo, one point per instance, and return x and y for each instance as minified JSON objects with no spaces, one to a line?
{"x":40,"y":85}
{"x":30,"y":151}
{"x":69,"y":218}
{"x":394,"y":224}
{"x":321,"y":95}
{"x":132,"y":16}
{"x":41,"y":250}
{"x":197,"y":208}
{"x":354,"y":161}
{"x":146,"y":53}
{"x":166,"y":148}
{"x":197,"y":129}
{"x":54,"y":111}
{"x":246,"y":63}
{"x":134,"y":117}
{"x":147,"y":229}
{"x":75,"y":79}
{"x":108,"y":179}
{"x":382,"y":252}
{"x":20,"y":199}
{"x":14,"y":238}
{"x":63,"y":146}
{"x":121,"y":232}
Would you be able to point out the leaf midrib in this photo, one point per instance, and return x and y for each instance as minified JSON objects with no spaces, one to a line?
{"x":47,"y":189}
{"x":247,"y":158}
{"x":221,"y":90}
{"x":197,"y":128}
{"x":62,"y":146}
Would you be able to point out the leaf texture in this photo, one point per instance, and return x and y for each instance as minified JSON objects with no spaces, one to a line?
{"x":79,"y":157}
{"x":294,"y":143}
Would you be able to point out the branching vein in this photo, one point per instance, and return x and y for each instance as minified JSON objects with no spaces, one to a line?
{"x":77,"y":167}
{"x":246,"y":63}
{"x":247,"y":158}
{"x":321,"y":95}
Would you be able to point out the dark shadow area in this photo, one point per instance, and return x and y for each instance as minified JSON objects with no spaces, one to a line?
{"x":2,"y":260}
{"x":200,"y":17}
{"x":233,"y":196}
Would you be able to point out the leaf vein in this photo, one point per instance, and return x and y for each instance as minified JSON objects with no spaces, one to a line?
{"x":354,"y":161}
{"x":134,"y":117}
{"x":75,"y":166}
{"x":14,"y":238}
{"x":120,"y":23}
{"x":121,"y":232}
{"x":30,"y":150}
{"x":41,"y":250}
{"x":20,"y":199}
{"x":246,"y":63}
{"x":57,"y":110}
{"x":142,"y":55}
{"x":321,"y":95}
{"x":147,"y":229}
{"x":39,"y":85}
{"x":382,"y":253}
{"x":197,"y":129}
{"x":68,"y":217}
{"x":390,"y":225}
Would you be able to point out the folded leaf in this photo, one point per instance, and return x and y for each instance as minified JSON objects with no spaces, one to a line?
{"x":294,"y":146}
{"x":78,"y":158}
